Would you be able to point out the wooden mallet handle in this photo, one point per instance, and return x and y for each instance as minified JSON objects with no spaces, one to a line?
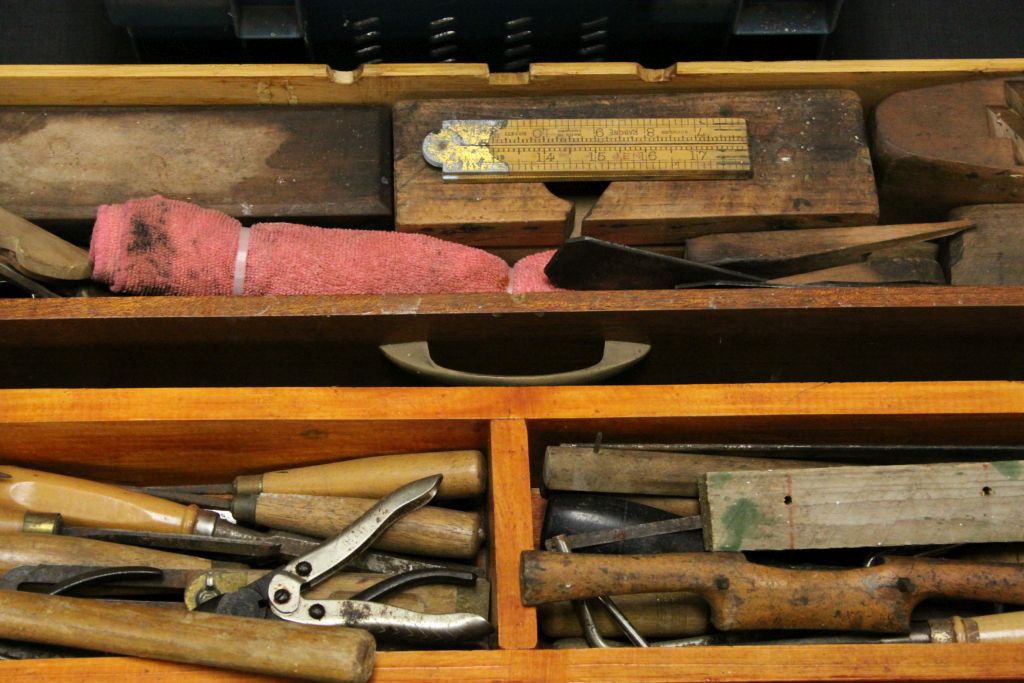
{"x":254,"y":645}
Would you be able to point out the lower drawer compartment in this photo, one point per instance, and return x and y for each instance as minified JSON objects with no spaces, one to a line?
{"x":204,"y":435}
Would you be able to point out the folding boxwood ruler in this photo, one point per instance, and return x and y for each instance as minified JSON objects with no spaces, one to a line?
{"x":517,"y":150}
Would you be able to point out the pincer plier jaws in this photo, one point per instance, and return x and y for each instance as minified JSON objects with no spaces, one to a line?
{"x":279,"y":594}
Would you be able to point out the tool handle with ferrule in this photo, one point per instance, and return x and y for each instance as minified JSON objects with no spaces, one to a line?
{"x":88,"y":503}
{"x":992,"y":628}
{"x":254,"y":645}
{"x":464,"y":476}
{"x":18,"y":549}
{"x":432,"y":531}
{"x":743,"y":595}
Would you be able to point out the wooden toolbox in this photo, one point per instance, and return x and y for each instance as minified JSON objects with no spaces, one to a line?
{"x":837,"y":334}
{"x":168,"y":435}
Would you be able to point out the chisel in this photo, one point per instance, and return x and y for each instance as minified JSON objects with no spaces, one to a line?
{"x":431,"y":531}
{"x":88,"y":503}
{"x":464,"y":475}
{"x":18,"y":549}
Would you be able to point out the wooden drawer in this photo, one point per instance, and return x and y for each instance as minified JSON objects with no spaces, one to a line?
{"x":697,"y":336}
{"x":167,"y":434}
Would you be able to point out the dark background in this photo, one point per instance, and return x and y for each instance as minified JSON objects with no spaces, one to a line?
{"x":80,"y":31}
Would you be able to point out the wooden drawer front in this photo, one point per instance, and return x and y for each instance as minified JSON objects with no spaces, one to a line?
{"x":838,"y":334}
{"x":166,"y":435}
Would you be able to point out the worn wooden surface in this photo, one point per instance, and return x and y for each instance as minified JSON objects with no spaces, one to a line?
{"x":738,"y":336}
{"x":343,"y":655}
{"x":811,"y":167}
{"x":854,"y":507}
{"x":511,"y":533}
{"x":217,"y":433}
{"x":780,"y":253}
{"x":464,"y":472}
{"x":747,"y":596}
{"x":992,"y":253}
{"x":654,"y":615}
{"x":751,"y":664}
{"x":937,"y":149}
{"x":326,"y":164}
{"x":279,"y":84}
{"x":431,"y":530}
{"x":19,"y":549}
{"x":875,"y":271}
{"x":652,"y":473}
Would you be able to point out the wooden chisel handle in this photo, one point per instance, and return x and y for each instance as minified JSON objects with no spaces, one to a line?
{"x":14,"y":521}
{"x":88,"y":503}
{"x":993,"y":628}
{"x":464,"y":476}
{"x":742,"y":595}
{"x":433,"y":531}
{"x":19,"y":549}
{"x":261,"y":646}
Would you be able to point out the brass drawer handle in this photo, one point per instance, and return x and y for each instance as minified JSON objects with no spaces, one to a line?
{"x":415,"y":357}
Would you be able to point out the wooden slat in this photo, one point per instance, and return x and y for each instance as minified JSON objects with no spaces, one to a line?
{"x":511,"y":533}
{"x":388,"y":83}
{"x":848,"y":663}
{"x":859,"y":507}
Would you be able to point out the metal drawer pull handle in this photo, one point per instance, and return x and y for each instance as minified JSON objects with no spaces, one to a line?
{"x":415,"y":357}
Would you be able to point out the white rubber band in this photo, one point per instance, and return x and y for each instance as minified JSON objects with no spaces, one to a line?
{"x":241,"y":256}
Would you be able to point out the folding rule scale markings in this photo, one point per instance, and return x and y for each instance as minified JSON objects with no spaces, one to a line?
{"x":518,"y":150}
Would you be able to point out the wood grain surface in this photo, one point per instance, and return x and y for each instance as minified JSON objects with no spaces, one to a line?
{"x":652,"y":473}
{"x":937,"y":149}
{"x":992,"y":253}
{"x":291,"y":84}
{"x":855,"y":507}
{"x":738,"y":336}
{"x":779,"y":253}
{"x":327,"y":164}
{"x":431,"y":530}
{"x":875,"y":271}
{"x":811,"y":168}
{"x":511,"y":532}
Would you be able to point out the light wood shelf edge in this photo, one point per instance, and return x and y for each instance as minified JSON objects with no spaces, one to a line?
{"x":388,"y":83}
{"x":27,"y":406}
{"x":848,"y":663}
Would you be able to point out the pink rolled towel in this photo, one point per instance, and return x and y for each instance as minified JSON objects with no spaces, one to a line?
{"x":528,"y":274}
{"x":163,"y":246}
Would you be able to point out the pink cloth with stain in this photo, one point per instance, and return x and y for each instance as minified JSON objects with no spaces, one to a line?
{"x":164,"y":246}
{"x":528,"y":274}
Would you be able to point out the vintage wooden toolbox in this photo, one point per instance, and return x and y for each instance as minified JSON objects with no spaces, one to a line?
{"x":149,"y":435}
{"x":883,"y":333}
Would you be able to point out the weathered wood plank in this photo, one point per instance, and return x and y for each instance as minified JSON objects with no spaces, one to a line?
{"x":811,"y":168}
{"x":852,"y":507}
{"x":992,"y":253}
{"x":654,"y":473}
{"x":779,"y":253}
{"x":328,"y":164}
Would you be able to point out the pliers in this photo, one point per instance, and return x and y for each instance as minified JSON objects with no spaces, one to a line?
{"x":278,"y":594}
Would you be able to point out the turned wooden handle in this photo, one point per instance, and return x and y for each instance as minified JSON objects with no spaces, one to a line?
{"x":993,"y":628}
{"x":261,"y":646}
{"x":438,"y":532}
{"x":464,"y":475}
{"x":654,"y":615}
{"x":88,"y":503}
{"x":39,"y":252}
{"x":742,"y":595}
{"x":654,"y":473}
{"x":19,"y":549}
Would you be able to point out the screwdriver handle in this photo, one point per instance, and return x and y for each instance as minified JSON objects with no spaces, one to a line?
{"x":88,"y":503}
{"x":464,"y":476}
{"x":270,"y":647}
{"x":431,"y":531}
{"x":993,"y":628}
